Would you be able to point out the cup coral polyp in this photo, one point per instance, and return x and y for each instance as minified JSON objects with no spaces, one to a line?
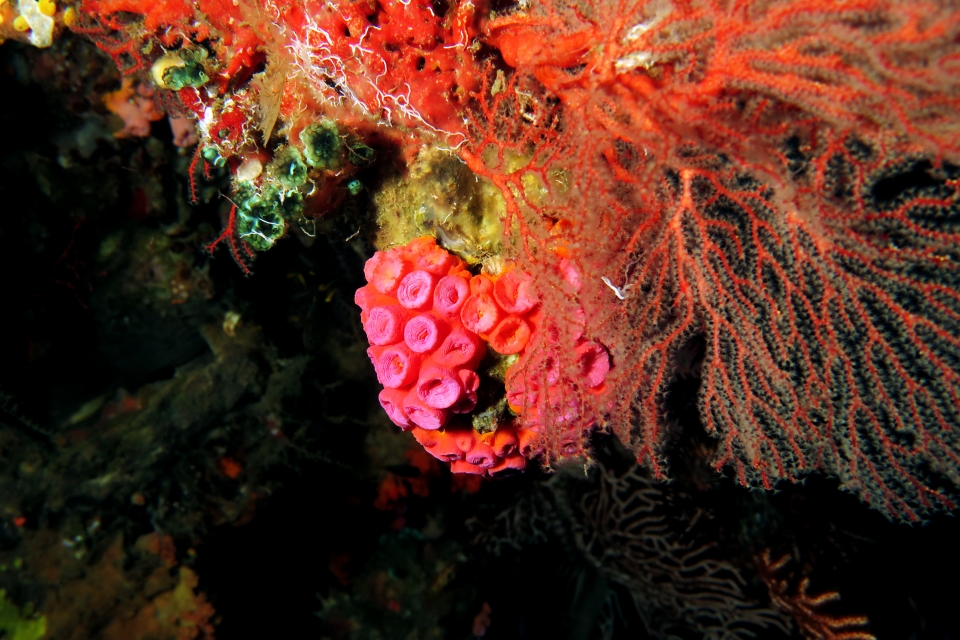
{"x":422,"y":356}
{"x":429,"y":322}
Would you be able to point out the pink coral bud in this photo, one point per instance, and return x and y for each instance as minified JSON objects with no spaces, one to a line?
{"x":520,"y":400}
{"x":551,"y":333}
{"x":460,"y":349}
{"x":481,"y":455}
{"x":510,"y":336}
{"x":523,"y":388}
{"x":460,"y":466}
{"x":374,"y":354}
{"x":578,"y":323}
{"x":516,"y":461}
{"x":384,"y":324}
{"x":571,"y":273}
{"x":422,"y":415}
{"x":135,"y":107}
{"x":424,"y":332}
{"x":437,"y":261}
{"x":416,"y":289}
{"x":551,"y":369}
{"x":466,"y":438}
{"x":450,"y":294}
{"x":521,"y":393}
{"x":527,"y":442}
{"x":513,"y":292}
{"x":184,"y":130}
{"x":466,"y":403}
{"x":367,"y":297}
{"x":413,"y":249}
{"x":439,"y":387}
{"x":480,"y":313}
{"x":563,"y":405}
{"x":469,"y":380}
{"x":594,"y":362}
{"x":504,"y":442}
{"x":440,"y":444}
{"x":531,"y":420}
{"x":392,"y":402}
{"x":398,"y":366}
{"x":571,"y":448}
{"x":385,"y":271}
{"x":481,"y":284}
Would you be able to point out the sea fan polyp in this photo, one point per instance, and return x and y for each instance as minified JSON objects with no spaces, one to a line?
{"x":429,"y":322}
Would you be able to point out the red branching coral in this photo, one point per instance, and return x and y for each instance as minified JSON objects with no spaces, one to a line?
{"x":242,"y":254}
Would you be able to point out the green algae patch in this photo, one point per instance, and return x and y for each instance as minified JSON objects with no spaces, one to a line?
{"x":17,"y":624}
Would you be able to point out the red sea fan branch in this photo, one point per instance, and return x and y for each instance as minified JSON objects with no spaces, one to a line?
{"x":725,"y":169}
{"x":828,"y":350}
{"x":242,"y":254}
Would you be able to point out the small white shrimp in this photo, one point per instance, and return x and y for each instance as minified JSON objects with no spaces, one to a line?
{"x":616,"y":290}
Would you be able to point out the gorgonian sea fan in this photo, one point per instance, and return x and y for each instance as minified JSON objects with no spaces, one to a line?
{"x":735,"y":170}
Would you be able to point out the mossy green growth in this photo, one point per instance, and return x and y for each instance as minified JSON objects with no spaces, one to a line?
{"x":262,"y":214}
{"x":190,"y":73}
{"x":360,"y":154}
{"x":489,"y":419}
{"x":323,"y":147}
{"x":19,"y":625}
{"x":186,"y":76}
{"x":260,"y":231}
{"x":439,"y":196}
{"x":212,"y":155}
{"x":288,"y":168}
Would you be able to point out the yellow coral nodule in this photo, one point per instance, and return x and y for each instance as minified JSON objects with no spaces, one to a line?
{"x":48,"y":7}
{"x":70,"y":16}
{"x":31,"y":20}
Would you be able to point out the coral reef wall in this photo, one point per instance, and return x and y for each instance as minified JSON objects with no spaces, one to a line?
{"x":662,"y":172}
{"x":302,"y":286}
